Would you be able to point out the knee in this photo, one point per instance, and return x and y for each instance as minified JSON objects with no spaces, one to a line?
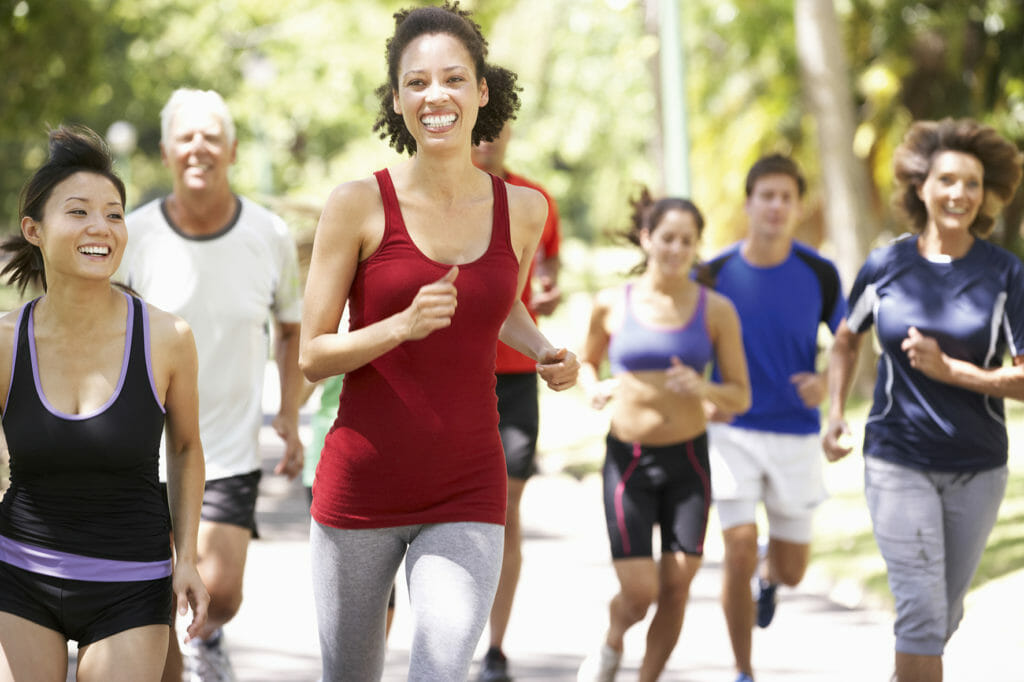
{"x":225,"y":597}
{"x":789,"y":574}
{"x":674,"y":593}
{"x":741,"y":556}
{"x":635,"y":600}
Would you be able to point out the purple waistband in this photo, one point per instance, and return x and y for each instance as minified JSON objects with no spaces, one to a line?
{"x":77,"y":567}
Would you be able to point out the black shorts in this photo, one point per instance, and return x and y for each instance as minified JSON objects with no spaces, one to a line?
{"x":84,"y":610}
{"x":518,"y":420}
{"x":231,"y":500}
{"x":668,"y":484}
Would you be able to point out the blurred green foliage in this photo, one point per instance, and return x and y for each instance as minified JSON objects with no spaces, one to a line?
{"x":300,"y":75}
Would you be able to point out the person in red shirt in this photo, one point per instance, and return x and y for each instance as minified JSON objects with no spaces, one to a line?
{"x":518,"y":407}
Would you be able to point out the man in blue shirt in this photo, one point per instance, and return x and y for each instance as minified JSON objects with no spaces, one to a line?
{"x":783,"y":291}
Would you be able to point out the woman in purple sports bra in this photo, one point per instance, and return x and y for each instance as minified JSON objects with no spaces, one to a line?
{"x":659,"y":332}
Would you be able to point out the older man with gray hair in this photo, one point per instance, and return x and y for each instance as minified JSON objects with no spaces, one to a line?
{"x":229,"y":267}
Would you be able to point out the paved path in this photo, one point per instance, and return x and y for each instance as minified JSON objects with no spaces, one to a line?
{"x":561,"y":608}
{"x":560,"y":611}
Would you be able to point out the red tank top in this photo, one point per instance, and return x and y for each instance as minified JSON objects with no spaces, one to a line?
{"x":416,"y":438}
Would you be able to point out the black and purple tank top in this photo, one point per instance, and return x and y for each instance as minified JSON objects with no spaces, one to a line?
{"x":85,"y":501}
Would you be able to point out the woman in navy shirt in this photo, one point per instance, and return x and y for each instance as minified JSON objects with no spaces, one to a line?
{"x":947,"y":306}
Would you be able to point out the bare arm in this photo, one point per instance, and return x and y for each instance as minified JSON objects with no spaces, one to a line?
{"x":558,"y":367}
{"x":595,"y":349}
{"x":732,"y":395}
{"x":842,"y":366}
{"x":186,"y":473}
{"x":286,"y":423}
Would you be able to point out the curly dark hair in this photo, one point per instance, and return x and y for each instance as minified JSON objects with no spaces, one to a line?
{"x":449,"y":18}
{"x":73,"y":149}
{"x":912,"y":162}
{"x":648,"y":213}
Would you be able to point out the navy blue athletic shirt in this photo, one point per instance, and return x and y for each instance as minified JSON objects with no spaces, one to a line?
{"x":87,"y":484}
{"x":974,"y":307}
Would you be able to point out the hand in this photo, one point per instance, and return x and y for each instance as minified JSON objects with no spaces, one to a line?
{"x":925,"y":355}
{"x":810,"y":386}
{"x":294,"y":455}
{"x":713,"y":413}
{"x":433,"y":306}
{"x":558,"y":368}
{"x":684,"y":380}
{"x":189,"y":592}
{"x":545,"y":300}
{"x":601,"y":392}
{"x":837,"y":441}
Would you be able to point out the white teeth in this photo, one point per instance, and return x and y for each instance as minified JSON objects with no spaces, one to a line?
{"x":438,"y":121}
{"x":94,"y":250}
{"x":959,"y":210}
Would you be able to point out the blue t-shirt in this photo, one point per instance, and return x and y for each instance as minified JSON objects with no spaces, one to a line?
{"x":780,"y":309}
{"x":974,"y":307}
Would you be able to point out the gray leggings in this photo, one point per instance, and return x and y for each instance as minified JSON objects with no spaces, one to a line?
{"x":931,"y":528}
{"x":452,"y":572}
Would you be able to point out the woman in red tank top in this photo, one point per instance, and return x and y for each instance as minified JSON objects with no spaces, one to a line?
{"x":431,"y":256}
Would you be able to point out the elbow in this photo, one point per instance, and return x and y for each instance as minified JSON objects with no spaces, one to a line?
{"x":308,"y":368}
{"x":744,"y":402}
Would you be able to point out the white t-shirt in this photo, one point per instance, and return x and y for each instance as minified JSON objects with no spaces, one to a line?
{"x":226,"y":286}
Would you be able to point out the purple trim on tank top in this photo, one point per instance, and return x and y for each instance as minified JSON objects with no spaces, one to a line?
{"x":120,"y":379}
{"x":149,"y":355}
{"x":77,"y":567}
{"x":14,"y":354}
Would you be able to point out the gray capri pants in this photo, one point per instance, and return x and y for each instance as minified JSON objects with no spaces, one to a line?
{"x":452,"y":572}
{"x":931,"y":528}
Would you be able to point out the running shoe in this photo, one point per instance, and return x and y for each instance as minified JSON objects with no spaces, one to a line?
{"x":766,"y":600}
{"x":600,"y":666}
{"x":744,"y":677}
{"x":495,"y":667}
{"x":206,"y":661}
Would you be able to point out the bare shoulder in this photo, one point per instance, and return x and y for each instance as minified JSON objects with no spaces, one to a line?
{"x":608,"y":298}
{"x":720,"y":309}
{"x":8,"y":328}
{"x":353,"y":218}
{"x":355,"y":198}
{"x":169,"y":334}
{"x":528,"y":203}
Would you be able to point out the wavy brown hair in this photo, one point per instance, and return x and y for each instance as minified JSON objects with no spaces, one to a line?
{"x":912,"y":161}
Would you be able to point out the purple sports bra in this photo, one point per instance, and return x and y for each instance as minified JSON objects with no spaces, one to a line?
{"x":638,"y":346}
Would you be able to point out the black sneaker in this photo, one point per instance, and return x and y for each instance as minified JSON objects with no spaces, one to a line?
{"x":766,"y":600}
{"x":495,"y":667}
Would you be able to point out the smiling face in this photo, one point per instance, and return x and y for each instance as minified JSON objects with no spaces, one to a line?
{"x":671,"y":246}
{"x":197,"y":150}
{"x":438,"y":93}
{"x":954,"y":191}
{"x":82,"y":232}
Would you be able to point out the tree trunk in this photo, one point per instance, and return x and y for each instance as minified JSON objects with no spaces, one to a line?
{"x":849,"y":223}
